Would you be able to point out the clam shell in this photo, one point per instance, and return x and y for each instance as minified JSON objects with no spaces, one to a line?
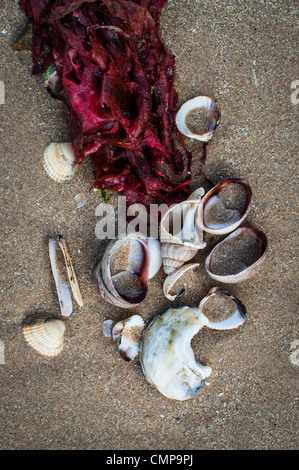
{"x":228,"y":215}
{"x":45,"y":335}
{"x":127,"y":335}
{"x":171,"y":279}
{"x":231,"y":312}
{"x":213,"y":109}
{"x":125,"y":284}
{"x":239,"y":256}
{"x":167,"y":358}
{"x":60,"y":162}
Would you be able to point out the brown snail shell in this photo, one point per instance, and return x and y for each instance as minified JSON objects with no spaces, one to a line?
{"x":239,"y":256}
{"x":223,"y":213}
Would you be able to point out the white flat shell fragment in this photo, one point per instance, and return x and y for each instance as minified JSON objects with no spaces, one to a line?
{"x":209,"y":120}
{"x":127,"y":335}
{"x":45,"y":335}
{"x":223,"y":310}
{"x":107,"y":328}
{"x":167,"y":357}
{"x":60,"y":162}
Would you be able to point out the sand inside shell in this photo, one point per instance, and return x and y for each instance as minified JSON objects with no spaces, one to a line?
{"x":129,"y":256}
{"x":236,"y":254}
{"x":226,"y":207}
{"x":218,"y":307}
{"x":199,"y":121}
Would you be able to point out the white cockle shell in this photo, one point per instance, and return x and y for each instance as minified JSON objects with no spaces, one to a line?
{"x":45,"y":335}
{"x":60,"y":162}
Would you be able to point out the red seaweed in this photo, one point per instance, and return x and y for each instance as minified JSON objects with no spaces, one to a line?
{"x":117,"y":79}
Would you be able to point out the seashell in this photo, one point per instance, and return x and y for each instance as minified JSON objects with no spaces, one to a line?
{"x":122,"y":273}
{"x":166,"y":356}
{"x":107,"y":328}
{"x":225,"y":206}
{"x":174,"y":256}
{"x":171,"y":279}
{"x":45,"y":335}
{"x":70,"y":271}
{"x":155,"y":256}
{"x":223,"y":310}
{"x":180,"y":236}
{"x":212,"y":112}
{"x":238,"y":256}
{"x":63,"y":292}
{"x":127,"y":334}
{"x":60,"y":162}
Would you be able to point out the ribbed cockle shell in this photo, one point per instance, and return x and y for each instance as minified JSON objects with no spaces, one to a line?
{"x":45,"y":335}
{"x":60,"y":162}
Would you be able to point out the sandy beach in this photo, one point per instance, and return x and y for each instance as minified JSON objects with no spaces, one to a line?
{"x":244,"y":55}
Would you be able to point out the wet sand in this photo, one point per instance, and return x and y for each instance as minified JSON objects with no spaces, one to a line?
{"x":243,"y":54}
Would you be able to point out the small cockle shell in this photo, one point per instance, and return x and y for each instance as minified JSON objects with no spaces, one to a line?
{"x":171,"y":279}
{"x":212,"y":110}
{"x":127,"y":335}
{"x":45,"y":335}
{"x":225,"y":206}
{"x":223,"y":310}
{"x":181,"y":238}
{"x":122,"y":274}
{"x":167,"y":357}
{"x":60,"y":162}
{"x":238,"y":256}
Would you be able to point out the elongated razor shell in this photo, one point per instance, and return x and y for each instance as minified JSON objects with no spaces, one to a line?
{"x":167,"y":358}
{"x":70,"y":271}
{"x":235,"y":319}
{"x":64,"y":296}
{"x":213,"y":108}
{"x":243,"y":271}
{"x":238,"y":215}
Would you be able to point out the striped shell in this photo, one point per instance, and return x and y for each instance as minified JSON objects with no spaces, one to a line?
{"x":45,"y":335}
{"x":60,"y":162}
